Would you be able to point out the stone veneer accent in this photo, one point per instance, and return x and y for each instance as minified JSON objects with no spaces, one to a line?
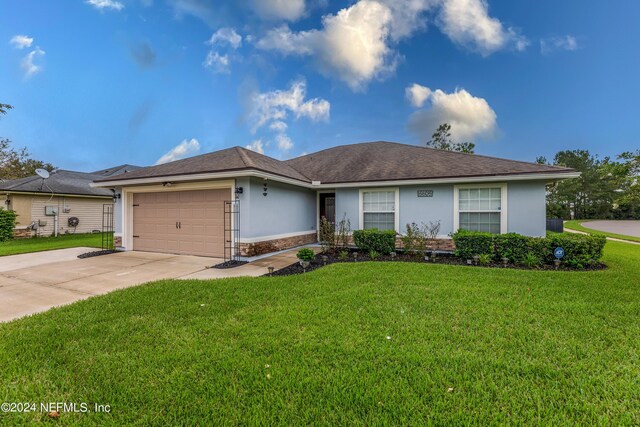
{"x":267,"y":246}
{"x":22,"y":233}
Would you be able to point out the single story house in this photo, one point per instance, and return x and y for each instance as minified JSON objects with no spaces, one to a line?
{"x":67,"y":193}
{"x":239,"y":200}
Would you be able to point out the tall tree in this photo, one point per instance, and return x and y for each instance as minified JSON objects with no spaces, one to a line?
{"x":16,"y":164}
{"x":441,"y":140}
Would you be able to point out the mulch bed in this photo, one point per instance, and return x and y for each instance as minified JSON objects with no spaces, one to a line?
{"x":441,"y":258}
{"x":229,"y":264}
{"x":96,"y":253}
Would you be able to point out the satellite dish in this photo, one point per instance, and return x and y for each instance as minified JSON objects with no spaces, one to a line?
{"x":42,"y":173}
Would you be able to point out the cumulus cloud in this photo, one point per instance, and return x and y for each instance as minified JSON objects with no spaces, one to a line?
{"x":105,"y":4}
{"x":216,"y":62}
{"x":568,"y":42}
{"x":256,"y":146}
{"x":187,"y":148}
{"x":226,"y":36}
{"x":20,"y":41}
{"x":29,"y":65}
{"x":223,"y":38}
{"x":352,"y":45}
{"x":289,"y":10}
{"x":470,"y":117}
{"x":357,"y":44}
{"x":417,"y":94}
{"x":467,"y":23}
{"x":275,"y":106}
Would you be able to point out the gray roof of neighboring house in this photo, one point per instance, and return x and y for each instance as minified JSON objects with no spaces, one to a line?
{"x":370,"y":161}
{"x":64,"y":182}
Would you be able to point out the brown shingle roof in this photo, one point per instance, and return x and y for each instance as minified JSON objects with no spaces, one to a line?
{"x":390,"y":161}
{"x":230,"y":159}
{"x":370,"y":161}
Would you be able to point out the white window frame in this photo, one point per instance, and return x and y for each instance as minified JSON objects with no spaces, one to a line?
{"x":396,"y":211}
{"x":503,"y":204}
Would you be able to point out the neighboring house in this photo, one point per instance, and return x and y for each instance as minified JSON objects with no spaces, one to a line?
{"x":70,"y":193}
{"x":179,"y":207}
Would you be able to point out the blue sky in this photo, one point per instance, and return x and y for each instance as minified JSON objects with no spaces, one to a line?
{"x":102,"y":82}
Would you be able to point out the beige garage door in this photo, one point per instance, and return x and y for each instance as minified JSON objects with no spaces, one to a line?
{"x":180,"y":222}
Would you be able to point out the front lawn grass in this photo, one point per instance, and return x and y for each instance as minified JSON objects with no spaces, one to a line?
{"x":359,"y":343}
{"x":39,"y":244}
{"x":576,"y":224}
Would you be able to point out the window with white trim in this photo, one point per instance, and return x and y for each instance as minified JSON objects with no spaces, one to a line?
{"x":480,"y":209}
{"x":379,"y":210}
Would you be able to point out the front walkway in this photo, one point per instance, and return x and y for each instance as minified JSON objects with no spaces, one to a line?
{"x":31,"y":283}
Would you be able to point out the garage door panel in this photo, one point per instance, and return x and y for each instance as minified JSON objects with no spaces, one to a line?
{"x":200,"y":214}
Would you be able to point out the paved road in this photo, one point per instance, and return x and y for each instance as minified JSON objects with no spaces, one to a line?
{"x":628,"y":228}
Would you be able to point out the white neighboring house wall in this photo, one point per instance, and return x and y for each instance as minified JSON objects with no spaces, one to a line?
{"x":87,"y":210}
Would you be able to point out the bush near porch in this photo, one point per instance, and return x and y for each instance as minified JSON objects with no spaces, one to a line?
{"x":7,"y":224}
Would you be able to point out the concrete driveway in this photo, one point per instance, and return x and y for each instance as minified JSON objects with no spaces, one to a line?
{"x":39,"y":281}
{"x":627,"y":228}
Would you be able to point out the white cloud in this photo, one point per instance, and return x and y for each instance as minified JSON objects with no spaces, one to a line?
{"x":289,"y":10}
{"x":256,"y":146}
{"x":216,"y":62}
{"x":106,"y":4}
{"x":201,"y":9}
{"x":470,"y":117}
{"x":356,"y":44}
{"x":28,"y":63}
{"x":20,"y":41}
{"x":417,"y":94}
{"x":467,"y":23}
{"x":187,"y":148}
{"x":275,"y":106}
{"x":284,"y":142}
{"x":551,"y":44}
{"x":278,"y":126}
{"x":351,"y":46}
{"x":226,"y":36}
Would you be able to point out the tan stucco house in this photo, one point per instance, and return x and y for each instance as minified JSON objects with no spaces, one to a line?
{"x":69,"y":193}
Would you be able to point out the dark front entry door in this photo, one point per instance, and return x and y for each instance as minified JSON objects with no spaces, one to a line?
{"x":328,"y":206}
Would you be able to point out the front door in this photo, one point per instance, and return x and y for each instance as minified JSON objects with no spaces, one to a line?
{"x":328,"y":207}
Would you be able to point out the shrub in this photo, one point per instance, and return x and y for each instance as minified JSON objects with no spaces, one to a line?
{"x":343,"y":229}
{"x":343,"y":255}
{"x":327,"y":235}
{"x":382,"y":241}
{"x":413,"y":241}
{"x":306,"y":254}
{"x":580,"y":250}
{"x":7,"y":224}
{"x":373,"y":255}
{"x":485,"y":259}
{"x":470,"y":243}
{"x":531,"y":260}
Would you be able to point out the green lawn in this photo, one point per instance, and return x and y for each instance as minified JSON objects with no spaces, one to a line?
{"x":466,"y":346}
{"x":576,"y":224}
{"x":38,"y":244}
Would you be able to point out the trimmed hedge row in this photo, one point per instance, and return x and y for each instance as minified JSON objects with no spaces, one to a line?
{"x":7,"y":224}
{"x":580,"y":250}
{"x":381,"y":241}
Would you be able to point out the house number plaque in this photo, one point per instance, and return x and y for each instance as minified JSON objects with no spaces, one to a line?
{"x":425,"y":193}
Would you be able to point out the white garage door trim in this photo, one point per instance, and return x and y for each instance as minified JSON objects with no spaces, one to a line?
{"x":127,"y":201}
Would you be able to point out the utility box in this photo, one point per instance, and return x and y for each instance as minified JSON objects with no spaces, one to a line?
{"x":51,"y":210}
